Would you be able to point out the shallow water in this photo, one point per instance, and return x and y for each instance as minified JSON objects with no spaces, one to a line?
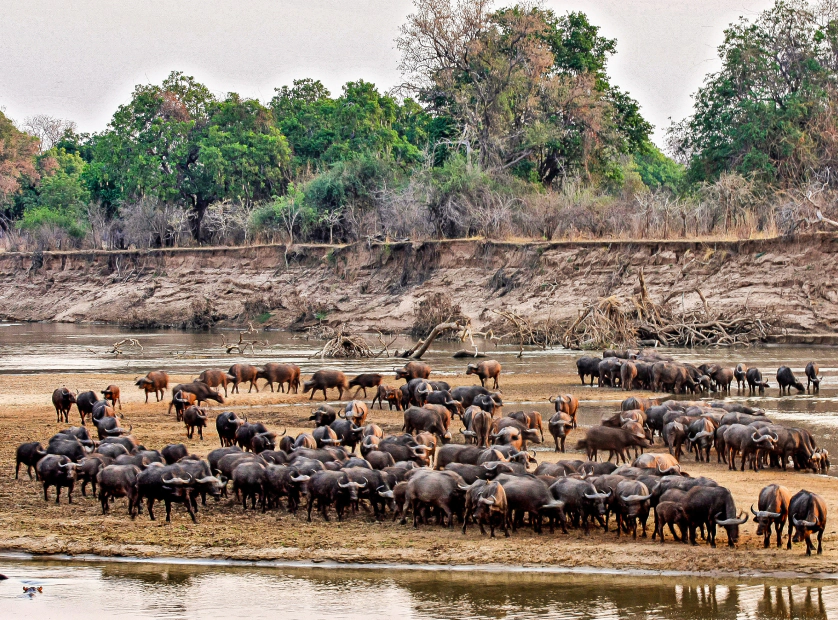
{"x":59,"y":347}
{"x":97,"y":590}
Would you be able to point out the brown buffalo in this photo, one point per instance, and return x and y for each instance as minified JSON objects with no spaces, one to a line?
{"x":568,"y":404}
{"x":413,"y":370}
{"x":156,"y":381}
{"x":243,"y":373}
{"x":111,"y":393}
{"x":487,"y":369}
{"x":215,"y":378}
{"x":392,"y":395}
{"x":281,"y":374}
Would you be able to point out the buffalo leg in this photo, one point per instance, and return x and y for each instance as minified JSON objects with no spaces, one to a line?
{"x":820,"y":541}
{"x":150,"y":505}
{"x":46,"y":497}
{"x":57,"y":493}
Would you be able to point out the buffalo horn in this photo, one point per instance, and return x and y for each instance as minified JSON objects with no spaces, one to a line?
{"x":800,"y":523}
{"x":635,"y":498}
{"x":764,"y":514}
{"x":733,"y":521}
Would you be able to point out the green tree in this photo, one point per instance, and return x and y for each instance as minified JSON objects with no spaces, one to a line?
{"x":770,"y":111}
{"x":362,"y":121}
{"x":178,"y":143}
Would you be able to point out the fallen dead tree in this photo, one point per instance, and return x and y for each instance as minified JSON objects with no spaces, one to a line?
{"x":611,"y":322}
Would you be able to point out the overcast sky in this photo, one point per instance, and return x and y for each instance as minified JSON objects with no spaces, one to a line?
{"x":79,"y":60}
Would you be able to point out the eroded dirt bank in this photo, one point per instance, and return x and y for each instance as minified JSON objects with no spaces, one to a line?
{"x":376,"y":286}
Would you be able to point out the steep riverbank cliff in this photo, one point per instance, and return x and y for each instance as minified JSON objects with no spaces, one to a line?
{"x":377,"y":286}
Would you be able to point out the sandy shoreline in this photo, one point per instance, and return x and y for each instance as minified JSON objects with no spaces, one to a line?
{"x":225,"y":532}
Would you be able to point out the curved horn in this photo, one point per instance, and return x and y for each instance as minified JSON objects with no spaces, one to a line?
{"x":207,"y":479}
{"x":344,"y":486}
{"x":733,"y":521}
{"x":635,"y":498}
{"x":177,"y":480}
{"x":301,"y":478}
{"x":464,"y":487}
{"x":598,"y":495}
{"x":757,"y":439}
{"x":486,"y":500}
{"x":494,"y":465}
{"x":800,"y":523}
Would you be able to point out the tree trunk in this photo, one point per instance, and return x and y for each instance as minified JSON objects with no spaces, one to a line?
{"x":196,"y":217}
{"x":422,"y":346}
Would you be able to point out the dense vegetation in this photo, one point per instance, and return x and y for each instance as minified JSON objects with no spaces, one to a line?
{"x":507,"y":124}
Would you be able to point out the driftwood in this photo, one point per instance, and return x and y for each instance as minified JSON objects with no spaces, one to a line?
{"x":242,"y":345}
{"x":418,"y":350}
{"x":611,"y":322}
{"x":345,"y":345}
{"x":470,"y":354}
{"x":116,"y":347}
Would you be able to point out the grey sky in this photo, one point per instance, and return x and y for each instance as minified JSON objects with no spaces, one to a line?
{"x":79,"y":60}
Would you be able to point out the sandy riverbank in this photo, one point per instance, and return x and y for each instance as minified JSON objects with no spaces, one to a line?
{"x":224,"y":531}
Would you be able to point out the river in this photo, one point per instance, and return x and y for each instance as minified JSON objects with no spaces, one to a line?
{"x":96,"y":590}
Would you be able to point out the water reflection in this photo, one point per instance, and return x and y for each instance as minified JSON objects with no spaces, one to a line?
{"x":139,"y":590}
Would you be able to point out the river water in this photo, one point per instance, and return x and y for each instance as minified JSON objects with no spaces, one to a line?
{"x":56,"y":347}
{"x":96,"y":590}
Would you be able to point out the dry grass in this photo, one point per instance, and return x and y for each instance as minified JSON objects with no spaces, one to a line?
{"x":225,"y":531}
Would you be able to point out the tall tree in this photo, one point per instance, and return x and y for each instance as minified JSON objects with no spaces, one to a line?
{"x":528,"y":88}
{"x":771,"y":110}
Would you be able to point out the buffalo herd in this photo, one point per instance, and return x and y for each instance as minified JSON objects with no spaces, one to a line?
{"x":492,"y":479}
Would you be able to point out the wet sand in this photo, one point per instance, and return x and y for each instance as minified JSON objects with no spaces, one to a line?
{"x":225,"y":531}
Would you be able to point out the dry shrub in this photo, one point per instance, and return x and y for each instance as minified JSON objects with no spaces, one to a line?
{"x":433,"y":309}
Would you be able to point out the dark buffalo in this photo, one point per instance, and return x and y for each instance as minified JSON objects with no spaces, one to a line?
{"x":203,"y":393}
{"x":28,"y":454}
{"x":366,"y":381}
{"x":581,"y":500}
{"x":226,"y":424}
{"x":55,"y":470}
{"x":167,"y":483}
{"x":709,"y":507}
{"x":249,"y":482}
{"x":84,"y":403}
{"x":442,"y":490}
{"x":195,"y":417}
{"x":754,"y":378}
{"x":173,"y":452}
{"x":807,"y":513}
{"x":323,"y":380}
{"x":247,"y":431}
{"x":812,"y":378}
{"x":670,"y":514}
{"x":588,"y":365}
{"x":329,"y":488}
{"x":615,"y":440}
{"x":787,"y":380}
{"x":62,"y":400}
{"x":118,"y":481}
{"x":417,"y":419}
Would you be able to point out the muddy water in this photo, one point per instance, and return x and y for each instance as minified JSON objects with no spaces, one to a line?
{"x":97,"y":590}
{"x":48,"y":347}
